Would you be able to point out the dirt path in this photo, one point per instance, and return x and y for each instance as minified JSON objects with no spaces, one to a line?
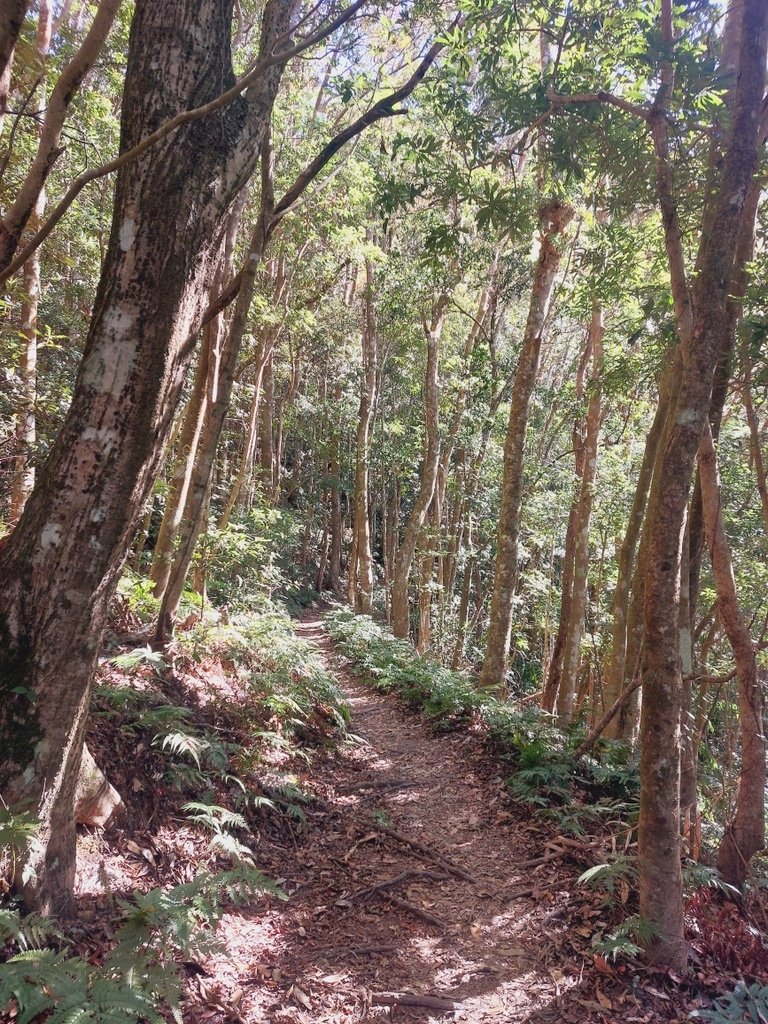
{"x":451,"y":930}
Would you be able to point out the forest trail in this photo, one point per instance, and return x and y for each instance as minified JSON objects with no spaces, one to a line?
{"x":453,"y":931}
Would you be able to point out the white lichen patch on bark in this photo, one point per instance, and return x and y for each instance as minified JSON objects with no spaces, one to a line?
{"x":50,"y":536}
{"x":112,"y":364}
{"x":688,"y":417}
{"x":106,"y":438}
{"x":127,"y":233}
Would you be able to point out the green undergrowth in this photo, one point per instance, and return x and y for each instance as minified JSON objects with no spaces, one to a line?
{"x":591,"y":795}
{"x":44,"y":976}
{"x":224,"y":722}
{"x":212,"y":738}
{"x":543,"y":773}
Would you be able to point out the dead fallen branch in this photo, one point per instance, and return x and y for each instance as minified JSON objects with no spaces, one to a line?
{"x":411,"y":908}
{"x":378,"y":787}
{"x":560,"y":847}
{"x":404,"y":876}
{"x":360,"y":950}
{"x":439,"y":1003}
{"x":610,"y":714}
{"x":425,"y":851}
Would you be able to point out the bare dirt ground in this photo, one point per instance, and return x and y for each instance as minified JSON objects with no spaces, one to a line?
{"x":410,"y":899}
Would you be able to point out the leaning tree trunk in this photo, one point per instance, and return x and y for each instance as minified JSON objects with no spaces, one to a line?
{"x":658,"y":844}
{"x":745,"y":835}
{"x":60,"y":565}
{"x":554,"y":219}
{"x":12,"y":14}
{"x":16,"y":217}
{"x":26,"y":423}
{"x":193,"y":419}
{"x":620,"y":671}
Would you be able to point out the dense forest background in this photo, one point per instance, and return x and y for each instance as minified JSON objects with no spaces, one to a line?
{"x":453,"y":315}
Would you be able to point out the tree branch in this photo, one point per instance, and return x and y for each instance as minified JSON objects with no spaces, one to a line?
{"x":380,"y":110}
{"x":181,"y":119}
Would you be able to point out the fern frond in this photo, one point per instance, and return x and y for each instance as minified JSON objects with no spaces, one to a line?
{"x":183,"y":743}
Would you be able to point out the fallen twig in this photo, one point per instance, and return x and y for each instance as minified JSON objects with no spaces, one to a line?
{"x":411,"y":908}
{"x":356,"y":787}
{"x":425,"y":850}
{"x":560,"y":847}
{"x":390,"y":883}
{"x":360,"y":950}
{"x":411,"y":999}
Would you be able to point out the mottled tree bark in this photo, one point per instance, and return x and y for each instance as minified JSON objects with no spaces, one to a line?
{"x":61,"y":564}
{"x":745,"y":835}
{"x":658,"y":845}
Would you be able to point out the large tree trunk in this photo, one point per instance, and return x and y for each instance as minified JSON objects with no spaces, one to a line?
{"x":554,"y":220}
{"x":658,"y":846}
{"x":407,"y":549}
{"x":61,"y":564}
{"x":745,"y":835}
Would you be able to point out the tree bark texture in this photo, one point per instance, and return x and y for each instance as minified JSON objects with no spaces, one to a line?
{"x":554,"y":220}
{"x":658,"y":847}
{"x":61,"y":564}
{"x":745,"y":835}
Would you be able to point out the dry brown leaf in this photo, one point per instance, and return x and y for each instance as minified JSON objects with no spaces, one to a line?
{"x":603,"y":999}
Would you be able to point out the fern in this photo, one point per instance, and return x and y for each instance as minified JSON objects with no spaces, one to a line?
{"x":627,"y":940}
{"x":70,"y":991}
{"x":18,"y":836}
{"x":140,"y":656}
{"x":220,"y":821}
{"x":182,"y":916}
{"x":183,"y":743}
{"x":139,"y":979}
{"x":17,"y":830}
{"x":697,"y":876}
{"x":610,"y":876}
{"x":28,"y":932}
{"x":747,"y":1004}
